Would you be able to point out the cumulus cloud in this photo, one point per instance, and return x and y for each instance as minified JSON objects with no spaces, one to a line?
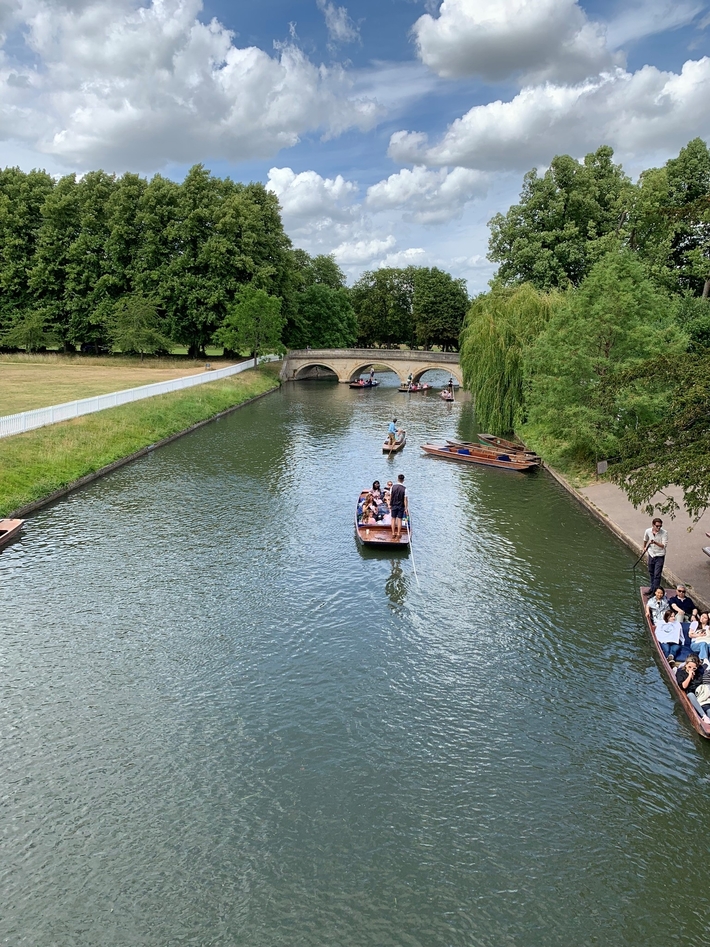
{"x":341,"y":28}
{"x":118,"y":84}
{"x":428,"y":197}
{"x":649,"y":111}
{"x":650,"y":17}
{"x":311,"y":202}
{"x":494,"y":39}
{"x":363,"y":251}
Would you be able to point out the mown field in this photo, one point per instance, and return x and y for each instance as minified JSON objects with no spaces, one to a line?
{"x":37,"y":381}
{"x":35,"y":464}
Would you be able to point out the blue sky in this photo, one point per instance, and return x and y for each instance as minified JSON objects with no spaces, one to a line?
{"x":391,"y":131}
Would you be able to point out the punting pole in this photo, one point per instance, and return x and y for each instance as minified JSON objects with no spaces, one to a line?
{"x":411,"y":549}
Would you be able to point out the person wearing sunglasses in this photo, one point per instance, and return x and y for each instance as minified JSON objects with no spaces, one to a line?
{"x":683,"y":604}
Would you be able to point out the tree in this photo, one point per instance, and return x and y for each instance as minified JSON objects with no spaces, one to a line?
{"x":382,"y":300}
{"x":253,"y":322}
{"x":616,"y":320}
{"x":31,"y":331}
{"x":329,"y":319}
{"x":134,"y":326}
{"x":499,"y":328}
{"x":438,"y":307}
{"x":564,"y":222}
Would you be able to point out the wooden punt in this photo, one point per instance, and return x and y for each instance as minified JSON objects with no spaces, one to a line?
{"x":380,"y":534}
{"x":446,"y":395}
{"x":493,"y":440}
{"x":513,"y":454}
{"x":362,"y":383}
{"x":9,"y":530}
{"x":482,"y":455}
{"x":669,"y":673}
{"x":413,"y":389}
{"x":399,"y":443}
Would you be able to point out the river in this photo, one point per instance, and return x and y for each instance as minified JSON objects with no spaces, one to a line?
{"x":224,"y":723}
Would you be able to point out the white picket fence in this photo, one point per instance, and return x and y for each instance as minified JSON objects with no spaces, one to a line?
{"x":28,"y":420}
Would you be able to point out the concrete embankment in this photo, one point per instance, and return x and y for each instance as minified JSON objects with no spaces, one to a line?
{"x":685,"y":560}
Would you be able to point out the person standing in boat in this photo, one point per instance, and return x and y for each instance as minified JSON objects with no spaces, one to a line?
{"x":399,"y":506}
{"x":409,"y":380}
{"x":655,"y":543}
{"x":450,"y":385}
{"x":372,"y":374}
{"x":392,"y":431}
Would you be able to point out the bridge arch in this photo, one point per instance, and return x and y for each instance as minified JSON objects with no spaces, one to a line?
{"x":303,"y":370}
{"x":452,"y":370}
{"x":365,"y":367}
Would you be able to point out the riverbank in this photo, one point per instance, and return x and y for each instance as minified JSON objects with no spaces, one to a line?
{"x":41,"y":465}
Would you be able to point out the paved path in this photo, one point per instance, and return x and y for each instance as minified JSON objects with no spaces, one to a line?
{"x":685,"y":559}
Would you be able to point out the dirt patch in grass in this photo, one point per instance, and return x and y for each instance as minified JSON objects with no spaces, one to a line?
{"x":36,"y":382}
{"x":35,"y":464}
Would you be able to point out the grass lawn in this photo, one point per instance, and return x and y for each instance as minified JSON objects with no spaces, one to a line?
{"x":38,"y":381}
{"x":36,"y":464}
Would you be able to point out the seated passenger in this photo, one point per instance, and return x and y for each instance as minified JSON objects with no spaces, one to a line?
{"x":683,"y":604}
{"x":657,"y":605}
{"x":690,"y":676}
{"x":376,"y":490}
{"x":669,"y":634}
{"x":699,"y":634}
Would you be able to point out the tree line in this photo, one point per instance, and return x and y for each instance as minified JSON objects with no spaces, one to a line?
{"x":593,"y":340}
{"x":125,"y":263}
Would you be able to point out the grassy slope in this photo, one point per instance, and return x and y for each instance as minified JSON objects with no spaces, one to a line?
{"x":554,"y":453}
{"x":36,"y":464}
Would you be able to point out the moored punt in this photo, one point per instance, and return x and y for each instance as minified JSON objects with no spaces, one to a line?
{"x":380,"y":534}
{"x":364,"y":383}
{"x":514,"y":454}
{"x":9,"y":529}
{"x":493,"y":440}
{"x":482,"y":455}
{"x":669,"y":673}
{"x":399,"y":443}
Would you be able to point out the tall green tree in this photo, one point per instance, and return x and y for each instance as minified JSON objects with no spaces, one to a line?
{"x":31,"y":330}
{"x":563,"y":223}
{"x":134,"y":326}
{"x":253,"y":322}
{"x":499,"y":328}
{"x":438,"y":307}
{"x":383,"y":303}
{"x":22,"y":197}
{"x":328,"y":316}
{"x":616,"y":320}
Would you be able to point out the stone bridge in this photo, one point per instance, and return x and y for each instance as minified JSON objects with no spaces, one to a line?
{"x":348,"y":364}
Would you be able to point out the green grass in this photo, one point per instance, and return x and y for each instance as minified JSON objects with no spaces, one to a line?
{"x":35,"y":464}
{"x":556,"y":453}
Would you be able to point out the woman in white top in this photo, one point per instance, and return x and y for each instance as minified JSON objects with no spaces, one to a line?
{"x":699,"y":635}
{"x":669,"y":634}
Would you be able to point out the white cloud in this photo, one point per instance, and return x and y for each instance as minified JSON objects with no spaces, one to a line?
{"x":541,"y":39}
{"x":341,"y":28}
{"x":648,"y":112}
{"x":428,"y":197}
{"x":650,"y":17}
{"x":363,"y":251}
{"x":413,"y":256}
{"x":122,"y":85}
{"x":310,"y":201}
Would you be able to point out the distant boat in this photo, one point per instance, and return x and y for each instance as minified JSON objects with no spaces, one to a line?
{"x":446,"y":395}
{"x":669,"y":672}
{"x":380,"y":534}
{"x":364,"y":383}
{"x":9,"y":530}
{"x":412,"y":389}
{"x":480,"y":455}
{"x":399,"y":442}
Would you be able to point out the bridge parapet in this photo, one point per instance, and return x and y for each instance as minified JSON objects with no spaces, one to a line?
{"x":347,"y":364}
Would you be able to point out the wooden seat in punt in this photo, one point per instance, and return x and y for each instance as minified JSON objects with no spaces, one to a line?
{"x":399,"y":443}
{"x":9,"y":529}
{"x":380,"y":534}
{"x":669,"y":672}
{"x":480,"y":455}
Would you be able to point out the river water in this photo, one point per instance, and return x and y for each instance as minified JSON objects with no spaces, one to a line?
{"x":223,"y":723}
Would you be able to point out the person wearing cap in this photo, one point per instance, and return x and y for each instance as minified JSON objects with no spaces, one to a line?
{"x":655,"y":544}
{"x":682,"y":603}
{"x":392,"y":431}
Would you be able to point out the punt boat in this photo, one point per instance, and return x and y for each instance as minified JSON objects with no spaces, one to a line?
{"x":9,"y":530}
{"x":669,"y":673}
{"x":446,"y":395}
{"x":380,"y":534}
{"x":399,"y":442}
{"x":480,"y":455}
{"x":517,"y":454}
{"x":493,"y":441}
{"x":364,"y":383}
{"x":414,"y":388}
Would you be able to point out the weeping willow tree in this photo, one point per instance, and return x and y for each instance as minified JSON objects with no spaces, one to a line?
{"x":499,"y":327}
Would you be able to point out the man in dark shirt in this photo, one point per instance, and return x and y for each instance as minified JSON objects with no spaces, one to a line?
{"x":399,"y":505}
{"x":690,"y":676}
{"x":682,"y":603}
